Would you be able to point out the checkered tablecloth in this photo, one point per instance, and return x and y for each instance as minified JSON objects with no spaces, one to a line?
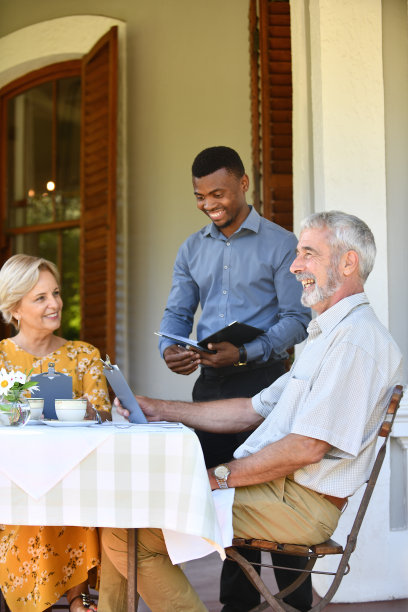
{"x":134,"y":477}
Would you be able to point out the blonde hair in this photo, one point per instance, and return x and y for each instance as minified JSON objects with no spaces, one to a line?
{"x":18,"y":276}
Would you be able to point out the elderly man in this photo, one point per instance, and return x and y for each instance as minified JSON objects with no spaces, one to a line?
{"x":314,"y":428}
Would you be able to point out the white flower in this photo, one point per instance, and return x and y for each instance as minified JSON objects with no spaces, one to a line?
{"x":20,"y":377}
{"x":5,"y":381}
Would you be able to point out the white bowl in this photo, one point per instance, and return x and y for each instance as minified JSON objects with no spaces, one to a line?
{"x":36,"y":407}
{"x":70,"y":409}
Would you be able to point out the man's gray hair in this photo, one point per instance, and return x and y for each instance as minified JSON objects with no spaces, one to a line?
{"x":346,"y":233}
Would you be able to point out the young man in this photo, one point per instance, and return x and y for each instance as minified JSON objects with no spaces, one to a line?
{"x":237,"y":269}
{"x":314,"y":429}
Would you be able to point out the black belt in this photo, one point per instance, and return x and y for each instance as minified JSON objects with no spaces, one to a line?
{"x":209,"y":372}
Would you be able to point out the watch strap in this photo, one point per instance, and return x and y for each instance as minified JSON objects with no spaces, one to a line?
{"x":222,"y":484}
{"x":243,"y":357}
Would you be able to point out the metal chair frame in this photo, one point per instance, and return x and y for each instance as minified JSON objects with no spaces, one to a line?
{"x":330,"y":547}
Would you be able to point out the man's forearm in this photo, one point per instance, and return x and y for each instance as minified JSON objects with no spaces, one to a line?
{"x":221,"y":416}
{"x":274,"y":461}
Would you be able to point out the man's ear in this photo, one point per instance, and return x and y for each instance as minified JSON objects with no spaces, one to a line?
{"x":349,"y":263}
{"x":245,"y":182}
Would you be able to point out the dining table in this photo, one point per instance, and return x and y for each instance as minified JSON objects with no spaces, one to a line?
{"x":114,"y":475}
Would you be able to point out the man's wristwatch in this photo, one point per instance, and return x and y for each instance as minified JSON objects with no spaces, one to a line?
{"x":243,"y":358}
{"x":221,"y":473}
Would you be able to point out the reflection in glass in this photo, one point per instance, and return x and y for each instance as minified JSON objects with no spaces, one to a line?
{"x":68,"y":149}
{"x":43,"y":152}
{"x":29,"y":143}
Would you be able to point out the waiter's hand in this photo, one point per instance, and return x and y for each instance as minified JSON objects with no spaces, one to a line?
{"x":181,"y":360}
{"x":227,"y":354}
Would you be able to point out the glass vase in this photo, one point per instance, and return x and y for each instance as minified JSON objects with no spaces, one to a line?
{"x":14,"y":413}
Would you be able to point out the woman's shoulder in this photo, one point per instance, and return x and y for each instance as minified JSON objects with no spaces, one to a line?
{"x":14,"y":357}
{"x":8,"y":346}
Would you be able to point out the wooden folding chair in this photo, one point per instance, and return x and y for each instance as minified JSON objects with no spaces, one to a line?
{"x":330,"y":547}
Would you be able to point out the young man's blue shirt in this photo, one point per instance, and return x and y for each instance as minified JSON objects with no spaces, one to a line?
{"x":243,"y":278}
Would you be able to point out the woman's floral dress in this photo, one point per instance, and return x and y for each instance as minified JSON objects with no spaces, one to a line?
{"x":39,"y":564}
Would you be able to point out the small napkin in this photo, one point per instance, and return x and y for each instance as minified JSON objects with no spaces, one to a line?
{"x":49,"y":454}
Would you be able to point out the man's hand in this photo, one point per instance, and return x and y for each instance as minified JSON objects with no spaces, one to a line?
{"x":227,"y":354}
{"x":152,"y":408}
{"x":181,"y":360}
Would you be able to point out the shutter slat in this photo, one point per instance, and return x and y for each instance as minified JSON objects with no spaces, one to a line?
{"x":276,"y":111}
{"x":98,"y":173}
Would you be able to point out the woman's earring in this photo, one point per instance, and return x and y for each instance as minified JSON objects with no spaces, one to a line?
{"x":18,"y":324}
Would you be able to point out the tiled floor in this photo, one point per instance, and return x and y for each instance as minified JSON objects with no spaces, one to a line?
{"x":204,"y":576}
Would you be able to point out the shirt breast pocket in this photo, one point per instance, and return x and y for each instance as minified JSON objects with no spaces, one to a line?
{"x":292,"y":397}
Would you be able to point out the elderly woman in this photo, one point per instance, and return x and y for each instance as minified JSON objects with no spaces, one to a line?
{"x":36,"y":567}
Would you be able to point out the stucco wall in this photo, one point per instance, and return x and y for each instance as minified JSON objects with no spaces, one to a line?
{"x":186,"y":87}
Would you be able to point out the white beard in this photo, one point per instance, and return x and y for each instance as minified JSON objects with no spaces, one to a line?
{"x":319,"y":294}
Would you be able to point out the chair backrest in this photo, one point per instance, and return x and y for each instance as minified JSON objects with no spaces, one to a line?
{"x":384,"y":432}
{"x":393,"y":406}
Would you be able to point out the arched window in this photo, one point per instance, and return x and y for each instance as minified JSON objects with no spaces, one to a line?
{"x":58,"y":171}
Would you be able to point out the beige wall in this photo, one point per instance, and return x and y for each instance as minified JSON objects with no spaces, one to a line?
{"x":186,"y":87}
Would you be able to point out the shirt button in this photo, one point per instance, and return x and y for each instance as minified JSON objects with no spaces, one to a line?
{"x":225,"y":267}
{"x":228,"y":243}
{"x":222,"y":316}
{"x":224,"y":292}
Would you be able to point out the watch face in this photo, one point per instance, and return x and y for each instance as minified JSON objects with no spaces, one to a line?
{"x":222,"y":471}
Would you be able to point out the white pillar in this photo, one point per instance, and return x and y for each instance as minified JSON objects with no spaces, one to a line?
{"x":339,"y":90}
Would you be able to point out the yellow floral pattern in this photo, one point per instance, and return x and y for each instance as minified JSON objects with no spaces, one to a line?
{"x":78,"y":359}
{"x":39,"y":564}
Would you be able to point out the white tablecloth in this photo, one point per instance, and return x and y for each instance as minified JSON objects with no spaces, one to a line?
{"x":141,"y":476}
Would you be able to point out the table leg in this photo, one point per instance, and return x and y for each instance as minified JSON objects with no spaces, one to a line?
{"x":133,"y":597}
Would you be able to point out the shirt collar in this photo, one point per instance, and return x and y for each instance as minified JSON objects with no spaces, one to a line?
{"x":251,"y":223}
{"x":328,"y":320}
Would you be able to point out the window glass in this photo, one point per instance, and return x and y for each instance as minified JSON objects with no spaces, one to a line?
{"x":29,"y":154}
{"x":43,"y":152}
{"x":68,"y":149}
{"x":43,"y":183}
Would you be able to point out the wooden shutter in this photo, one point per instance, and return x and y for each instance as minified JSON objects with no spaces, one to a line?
{"x":98,"y":194}
{"x":272,"y":107}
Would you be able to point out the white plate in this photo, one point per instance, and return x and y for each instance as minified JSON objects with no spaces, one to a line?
{"x":69,"y":423}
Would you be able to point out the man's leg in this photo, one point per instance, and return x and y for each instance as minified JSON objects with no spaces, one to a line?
{"x":236,"y":592}
{"x":283,"y":511}
{"x":302,"y":598}
{"x":113,"y":585}
{"x":162,"y":585}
